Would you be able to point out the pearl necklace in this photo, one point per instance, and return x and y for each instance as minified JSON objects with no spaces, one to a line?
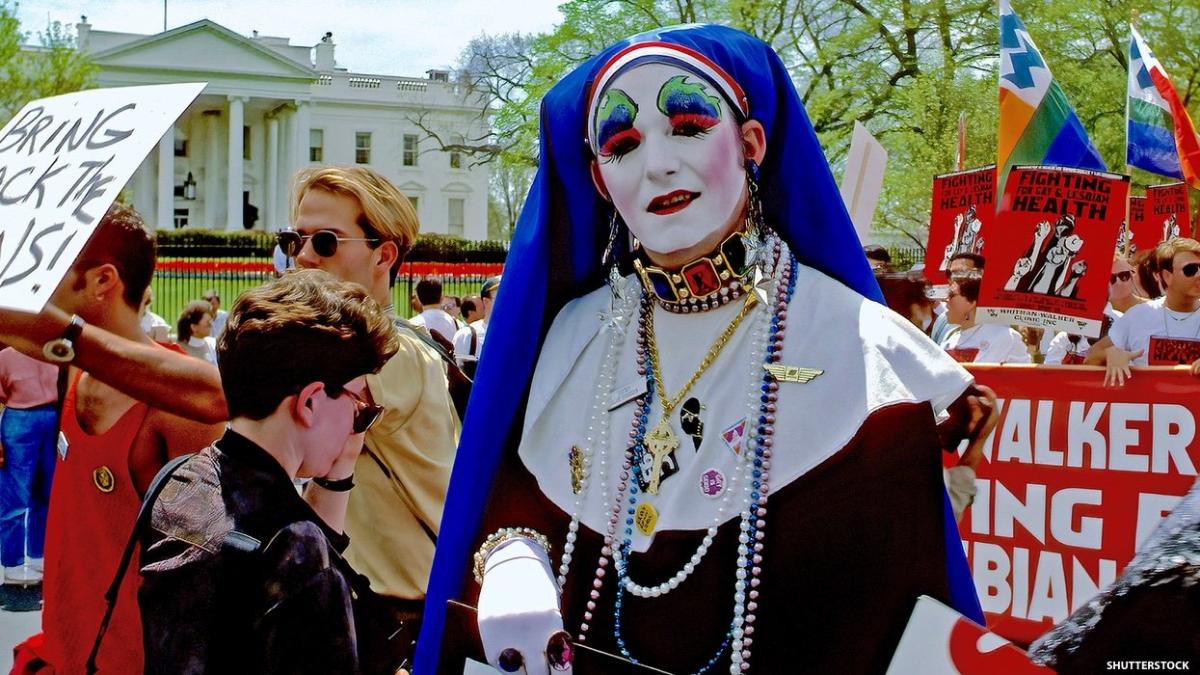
{"x":753,"y":516}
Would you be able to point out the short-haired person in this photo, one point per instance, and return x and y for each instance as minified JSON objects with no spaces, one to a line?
{"x":280,"y":604}
{"x":354,"y":224}
{"x":1176,"y":315}
{"x":212,"y":297}
{"x":959,"y":263}
{"x":432,"y":316}
{"x":194,"y":331}
{"x":468,"y":341}
{"x":472,"y":309}
{"x":878,"y":257}
{"x":114,"y":446}
{"x":978,"y":342}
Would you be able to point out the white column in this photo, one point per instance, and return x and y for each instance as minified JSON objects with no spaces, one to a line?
{"x":212,"y":169}
{"x":233,"y":213}
{"x":300,"y":137}
{"x":283,"y":196}
{"x":166,"y":181}
{"x":272,"y":219}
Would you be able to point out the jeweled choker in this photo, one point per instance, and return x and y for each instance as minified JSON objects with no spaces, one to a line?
{"x":705,"y":283}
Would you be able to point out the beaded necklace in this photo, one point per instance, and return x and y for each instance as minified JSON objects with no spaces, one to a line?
{"x":755,"y":472}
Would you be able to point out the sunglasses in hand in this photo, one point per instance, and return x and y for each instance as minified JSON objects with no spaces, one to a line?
{"x":365,"y":414}
{"x":324,"y":242}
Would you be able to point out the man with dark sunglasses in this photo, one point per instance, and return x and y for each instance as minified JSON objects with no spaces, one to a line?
{"x":239,"y":573}
{"x":1172,"y":319}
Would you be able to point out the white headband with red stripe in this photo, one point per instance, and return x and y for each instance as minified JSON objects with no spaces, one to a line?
{"x":662,"y":51}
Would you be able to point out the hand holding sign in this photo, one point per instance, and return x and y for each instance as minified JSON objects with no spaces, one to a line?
{"x":63,"y":160}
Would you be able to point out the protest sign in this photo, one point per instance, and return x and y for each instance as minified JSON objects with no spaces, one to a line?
{"x":940,"y":641}
{"x":1167,"y":211}
{"x":962,"y":202}
{"x":863,"y":179}
{"x":1074,"y":476}
{"x":63,"y":160}
{"x":1050,"y":249}
{"x":1144,"y":235}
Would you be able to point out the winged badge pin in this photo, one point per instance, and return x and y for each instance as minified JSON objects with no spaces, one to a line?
{"x":795,"y":374}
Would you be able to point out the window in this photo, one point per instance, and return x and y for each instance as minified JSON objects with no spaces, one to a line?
{"x":181,"y":147}
{"x":455,"y":221}
{"x":181,"y":218}
{"x":316,"y":145}
{"x":457,"y":142}
{"x":410,"y":149}
{"x":245,"y":142}
{"x":362,"y":147}
{"x":414,"y":202}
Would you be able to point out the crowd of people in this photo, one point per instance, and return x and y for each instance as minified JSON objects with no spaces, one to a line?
{"x":1150,"y":288}
{"x":650,"y":465}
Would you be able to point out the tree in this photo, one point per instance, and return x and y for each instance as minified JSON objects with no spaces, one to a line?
{"x":51,"y":68}
{"x":904,"y":68}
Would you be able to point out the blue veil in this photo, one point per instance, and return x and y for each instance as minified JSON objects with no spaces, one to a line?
{"x":555,"y":257}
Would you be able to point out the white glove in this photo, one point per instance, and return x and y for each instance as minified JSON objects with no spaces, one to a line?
{"x":518,"y":606}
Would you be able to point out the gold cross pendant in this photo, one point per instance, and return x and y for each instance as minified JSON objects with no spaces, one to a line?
{"x":661,"y":441}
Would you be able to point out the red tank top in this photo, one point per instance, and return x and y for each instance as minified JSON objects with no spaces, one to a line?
{"x":93,"y":506}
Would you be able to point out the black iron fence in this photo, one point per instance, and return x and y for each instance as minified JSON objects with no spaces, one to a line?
{"x":193,"y":262}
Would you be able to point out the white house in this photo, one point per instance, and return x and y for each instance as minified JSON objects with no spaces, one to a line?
{"x":272,"y":108}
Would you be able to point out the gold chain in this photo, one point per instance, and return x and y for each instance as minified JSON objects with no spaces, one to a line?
{"x":668,"y":402}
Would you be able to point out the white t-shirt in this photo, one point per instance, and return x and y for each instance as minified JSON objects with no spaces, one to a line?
{"x":1061,"y":345}
{"x":150,"y":321}
{"x":436,"y":319}
{"x":462,"y":339}
{"x":1132,"y":332}
{"x":996,"y":343}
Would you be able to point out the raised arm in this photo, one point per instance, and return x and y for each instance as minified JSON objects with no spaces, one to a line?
{"x":162,"y":378}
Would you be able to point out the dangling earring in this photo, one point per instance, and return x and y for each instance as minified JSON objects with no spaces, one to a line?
{"x":754,"y":227}
{"x":614,"y":280}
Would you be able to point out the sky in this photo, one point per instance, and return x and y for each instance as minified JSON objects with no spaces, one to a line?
{"x":396,"y":37}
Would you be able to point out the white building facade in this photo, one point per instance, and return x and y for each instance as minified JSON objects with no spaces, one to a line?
{"x":271,"y":109}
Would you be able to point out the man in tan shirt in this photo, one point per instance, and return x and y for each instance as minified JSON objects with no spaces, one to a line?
{"x":354,"y":224}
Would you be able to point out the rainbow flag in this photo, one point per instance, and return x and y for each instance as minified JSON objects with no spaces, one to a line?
{"x":1159,"y":134}
{"x":1037,"y":124}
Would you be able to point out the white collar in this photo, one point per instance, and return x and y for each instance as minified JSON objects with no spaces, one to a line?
{"x":197,"y":342}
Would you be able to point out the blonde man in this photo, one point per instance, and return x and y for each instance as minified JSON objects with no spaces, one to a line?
{"x":354,"y":224}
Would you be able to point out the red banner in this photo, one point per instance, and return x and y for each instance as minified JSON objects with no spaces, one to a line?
{"x":1074,"y":476}
{"x":1145,"y":235}
{"x":1167,"y":210}
{"x":962,"y":202}
{"x":1050,"y":249}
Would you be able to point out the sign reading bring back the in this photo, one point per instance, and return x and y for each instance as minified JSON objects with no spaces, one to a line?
{"x":63,"y":160}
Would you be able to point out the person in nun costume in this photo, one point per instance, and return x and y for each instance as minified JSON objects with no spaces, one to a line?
{"x":713,"y":449}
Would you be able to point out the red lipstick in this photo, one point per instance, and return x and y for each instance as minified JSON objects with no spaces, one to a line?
{"x":671,"y":202}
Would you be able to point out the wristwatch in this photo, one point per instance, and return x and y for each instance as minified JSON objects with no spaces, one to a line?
{"x":62,"y":350}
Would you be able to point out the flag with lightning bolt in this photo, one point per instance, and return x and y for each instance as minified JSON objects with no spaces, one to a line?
{"x":1037,"y":124}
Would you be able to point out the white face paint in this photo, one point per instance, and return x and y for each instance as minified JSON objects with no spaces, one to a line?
{"x":670,"y":156}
